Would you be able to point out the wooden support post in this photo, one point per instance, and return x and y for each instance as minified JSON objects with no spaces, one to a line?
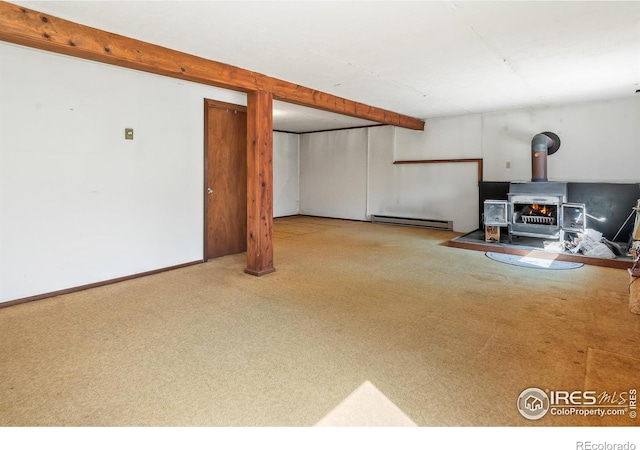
{"x":259,"y":183}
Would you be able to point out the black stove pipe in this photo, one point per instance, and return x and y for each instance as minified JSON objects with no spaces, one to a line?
{"x":540,"y":146}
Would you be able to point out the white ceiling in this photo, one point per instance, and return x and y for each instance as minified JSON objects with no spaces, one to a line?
{"x":424,"y":59}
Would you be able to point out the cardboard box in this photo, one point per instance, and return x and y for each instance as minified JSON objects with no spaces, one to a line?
{"x":492,"y":233}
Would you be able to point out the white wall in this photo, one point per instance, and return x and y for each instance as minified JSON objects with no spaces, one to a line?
{"x":421,"y":191}
{"x":286,"y":161}
{"x":79,"y":203}
{"x":350,"y":174}
{"x":600,"y":141}
{"x":440,"y":191}
{"x":457,"y":137}
{"x":333,"y":174}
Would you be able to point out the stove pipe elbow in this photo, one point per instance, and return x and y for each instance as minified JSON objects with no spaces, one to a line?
{"x":540,"y":145}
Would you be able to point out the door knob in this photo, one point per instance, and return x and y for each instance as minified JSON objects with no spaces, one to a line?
{"x":209,"y":191}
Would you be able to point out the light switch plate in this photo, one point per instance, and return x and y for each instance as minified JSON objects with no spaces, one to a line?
{"x":128,"y":133}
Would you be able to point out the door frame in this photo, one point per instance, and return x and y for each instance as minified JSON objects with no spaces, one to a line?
{"x":208,"y":103}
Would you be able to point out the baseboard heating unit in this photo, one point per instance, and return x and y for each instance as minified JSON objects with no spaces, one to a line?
{"x":409,"y":222}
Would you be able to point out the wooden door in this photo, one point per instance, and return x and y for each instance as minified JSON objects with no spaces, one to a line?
{"x":225,"y":179}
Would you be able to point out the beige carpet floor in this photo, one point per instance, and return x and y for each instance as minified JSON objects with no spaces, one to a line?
{"x":448,"y":336}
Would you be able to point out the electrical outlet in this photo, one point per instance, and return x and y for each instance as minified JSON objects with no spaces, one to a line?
{"x":508,"y":165}
{"x":128,"y":133}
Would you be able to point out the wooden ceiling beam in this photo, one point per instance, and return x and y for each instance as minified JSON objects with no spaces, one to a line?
{"x":34,"y":29}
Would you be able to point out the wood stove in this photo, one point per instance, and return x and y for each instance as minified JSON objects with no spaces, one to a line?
{"x":535,"y":209}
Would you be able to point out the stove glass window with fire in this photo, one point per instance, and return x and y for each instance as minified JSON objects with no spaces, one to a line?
{"x":535,"y":213}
